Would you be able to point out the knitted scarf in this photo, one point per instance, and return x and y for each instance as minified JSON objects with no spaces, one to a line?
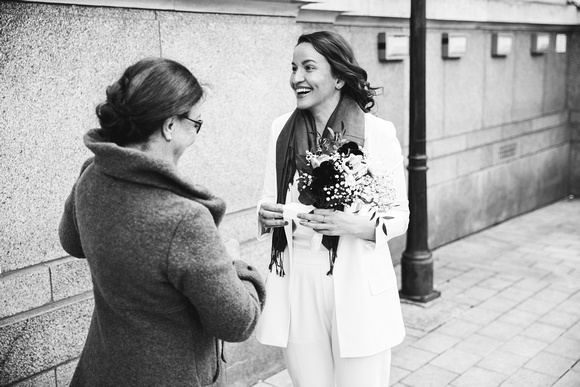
{"x":298,"y":136}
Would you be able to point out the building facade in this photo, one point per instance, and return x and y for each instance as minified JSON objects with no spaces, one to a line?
{"x":503,"y":128}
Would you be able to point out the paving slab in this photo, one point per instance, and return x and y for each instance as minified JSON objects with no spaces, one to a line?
{"x":456,"y":361}
{"x":550,"y":364}
{"x":570,"y":379}
{"x":503,"y":362}
{"x":478,"y":377}
{"x":529,"y":378}
{"x":430,"y":376}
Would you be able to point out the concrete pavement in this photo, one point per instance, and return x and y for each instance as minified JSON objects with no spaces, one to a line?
{"x":509,"y":313}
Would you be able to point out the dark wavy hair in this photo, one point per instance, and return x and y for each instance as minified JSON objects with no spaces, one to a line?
{"x":149,"y":92}
{"x":344,"y":66}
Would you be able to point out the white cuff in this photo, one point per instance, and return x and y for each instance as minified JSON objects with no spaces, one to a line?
{"x":381,"y":235}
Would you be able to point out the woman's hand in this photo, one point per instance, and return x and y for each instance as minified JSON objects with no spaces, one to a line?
{"x":270,"y":215}
{"x":333,"y":222}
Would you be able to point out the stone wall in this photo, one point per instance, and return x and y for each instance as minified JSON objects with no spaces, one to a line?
{"x":55,"y":65}
{"x":498,"y":142}
{"x":497,"y":129}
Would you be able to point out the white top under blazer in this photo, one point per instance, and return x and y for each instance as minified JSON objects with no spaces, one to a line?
{"x":367,"y":305}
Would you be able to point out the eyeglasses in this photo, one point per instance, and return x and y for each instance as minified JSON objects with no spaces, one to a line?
{"x":197,"y":122}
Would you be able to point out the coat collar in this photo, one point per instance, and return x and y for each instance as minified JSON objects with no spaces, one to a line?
{"x":137,"y":167}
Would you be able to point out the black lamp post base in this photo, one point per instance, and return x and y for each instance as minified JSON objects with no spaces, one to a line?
{"x":423,"y":299}
{"x":417,"y":276}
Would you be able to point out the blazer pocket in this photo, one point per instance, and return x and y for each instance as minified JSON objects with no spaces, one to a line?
{"x":380,"y":285}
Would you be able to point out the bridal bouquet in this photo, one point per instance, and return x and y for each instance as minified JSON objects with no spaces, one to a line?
{"x":341,"y":178}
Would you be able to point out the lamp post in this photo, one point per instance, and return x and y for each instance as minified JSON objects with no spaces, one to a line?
{"x":417,"y":261}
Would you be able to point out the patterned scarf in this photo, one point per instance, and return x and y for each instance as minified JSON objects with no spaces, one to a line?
{"x":298,"y":136}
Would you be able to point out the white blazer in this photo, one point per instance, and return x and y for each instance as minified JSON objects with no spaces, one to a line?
{"x":368,"y":310}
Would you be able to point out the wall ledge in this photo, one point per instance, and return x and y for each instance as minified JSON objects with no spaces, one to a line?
{"x":45,"y":309}
{"x":346,"y":19}
{"x":282,"y":8}
{"x":362,"y":13}
{"x":317,"y":16}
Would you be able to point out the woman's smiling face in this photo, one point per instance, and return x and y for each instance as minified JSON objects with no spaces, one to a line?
{"x":312,"y":81}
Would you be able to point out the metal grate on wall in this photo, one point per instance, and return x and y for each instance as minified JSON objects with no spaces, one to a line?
{"x":507,"y":151}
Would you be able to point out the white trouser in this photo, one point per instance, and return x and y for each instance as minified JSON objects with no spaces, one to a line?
{"x":312,"y":356}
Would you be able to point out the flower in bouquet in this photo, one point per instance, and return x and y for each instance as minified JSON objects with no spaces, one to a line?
{"x":340,"y":177}
{"x":326,"y":186}
{"x":377,"y":191}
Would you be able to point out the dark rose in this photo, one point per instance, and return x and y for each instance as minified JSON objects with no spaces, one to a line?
{"x":325,"y":174}
{"x":307,"y":197}
{"x":350,"y":148}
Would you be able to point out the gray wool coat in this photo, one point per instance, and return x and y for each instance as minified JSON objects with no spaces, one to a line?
{"x":166,"y":291}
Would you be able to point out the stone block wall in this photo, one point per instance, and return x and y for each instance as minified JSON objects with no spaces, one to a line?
{"x":503,"y":139}
{"x":498,"y":130}
{"x":55,"y":63}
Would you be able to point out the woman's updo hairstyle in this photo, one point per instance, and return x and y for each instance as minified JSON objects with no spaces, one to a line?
{"x":344,"y":66}
{"x":149,"y":92}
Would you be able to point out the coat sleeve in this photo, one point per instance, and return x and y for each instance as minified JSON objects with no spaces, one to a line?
{"x":68,"y":231}
{"x":228,"y":295}
{"x":395,"y":220}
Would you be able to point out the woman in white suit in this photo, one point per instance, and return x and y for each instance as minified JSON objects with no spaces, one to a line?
{"x":336,"y":324}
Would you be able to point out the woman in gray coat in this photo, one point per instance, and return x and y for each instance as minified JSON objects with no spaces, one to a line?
{"x":167,"y":291}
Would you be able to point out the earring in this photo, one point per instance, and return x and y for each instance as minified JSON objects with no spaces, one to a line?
{"x":168,"y":139}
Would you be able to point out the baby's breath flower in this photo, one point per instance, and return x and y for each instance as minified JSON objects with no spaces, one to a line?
{"x":352,"y":181}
